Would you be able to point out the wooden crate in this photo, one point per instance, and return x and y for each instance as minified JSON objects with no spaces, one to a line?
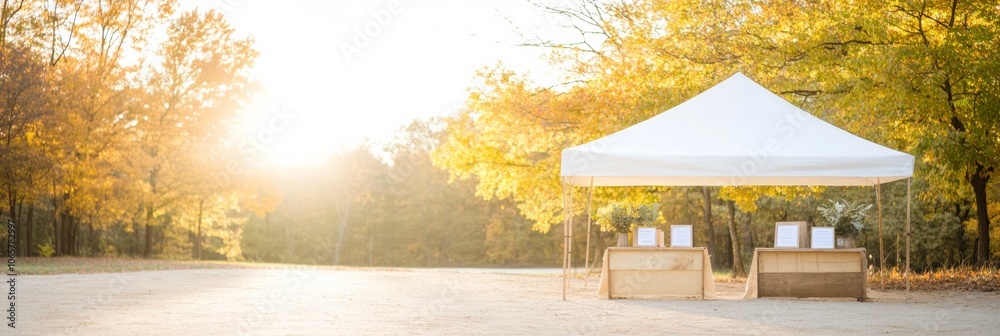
{"x":656,"y":273}
{"x":811,"y":273}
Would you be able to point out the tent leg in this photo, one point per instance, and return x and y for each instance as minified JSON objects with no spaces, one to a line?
{"x":565,"y":246}
{"x":907,"y":271}
{"x":586,"y":254}
{"x":881,"y":253}
{"x":569,"y":239}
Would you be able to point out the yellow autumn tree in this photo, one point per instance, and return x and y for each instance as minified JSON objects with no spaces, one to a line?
{"x":912,"y":75}
{"x":195,"y":88}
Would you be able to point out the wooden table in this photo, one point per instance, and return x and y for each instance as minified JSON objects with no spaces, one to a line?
{"x":656,"y":273}
{"x":776,"y":272}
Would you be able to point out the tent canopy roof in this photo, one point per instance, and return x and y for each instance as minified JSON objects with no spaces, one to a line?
{"x":736,"y":133}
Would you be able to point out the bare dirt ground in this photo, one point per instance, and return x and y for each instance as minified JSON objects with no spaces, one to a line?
{"x":332,"y":302}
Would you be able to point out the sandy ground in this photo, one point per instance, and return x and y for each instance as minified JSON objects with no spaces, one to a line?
{"x":294,"y":302}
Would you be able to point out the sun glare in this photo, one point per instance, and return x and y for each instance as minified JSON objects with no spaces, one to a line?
{"x":346,"y":72}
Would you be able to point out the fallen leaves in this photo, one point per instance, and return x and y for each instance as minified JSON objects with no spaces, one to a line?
{"x":985,"y":279}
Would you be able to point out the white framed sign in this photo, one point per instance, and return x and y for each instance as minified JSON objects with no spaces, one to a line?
{"x":681,"y":236}
{"x":786,"y":236}
{"x":803,"y":231}
{"x":645,"y":237}
{"x":822,"y":238}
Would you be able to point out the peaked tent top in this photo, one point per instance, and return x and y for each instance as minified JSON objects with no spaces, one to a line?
{"x":736,"y":133}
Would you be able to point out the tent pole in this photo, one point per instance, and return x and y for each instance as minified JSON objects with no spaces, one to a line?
{"x":881,"y":253}
{"x":586,"y":254}
{"x":569,"y":239}
{"x":908,"y":182}
{"x":565,"y":228}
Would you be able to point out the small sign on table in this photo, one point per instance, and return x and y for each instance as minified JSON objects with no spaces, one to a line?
{"x":786,"y":236}
{"x":645,"y":237}
{"x":681,"y":236}
{"x":822,"y":238}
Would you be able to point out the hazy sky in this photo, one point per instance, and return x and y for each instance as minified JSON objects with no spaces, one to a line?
{"x":351,"y":70}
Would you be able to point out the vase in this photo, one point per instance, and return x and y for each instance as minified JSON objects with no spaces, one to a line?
{"x":623,"y":240}
{"x":844,"y":242}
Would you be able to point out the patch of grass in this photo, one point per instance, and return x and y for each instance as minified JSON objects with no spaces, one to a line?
{"x":727,"y":276}
{"x":82,"y":265}
{"x":65,"y":265}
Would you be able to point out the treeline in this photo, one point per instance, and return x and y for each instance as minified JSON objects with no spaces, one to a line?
{"x":116,"y":128}
{"x":361,"y":209}
{"x":118,"y":136}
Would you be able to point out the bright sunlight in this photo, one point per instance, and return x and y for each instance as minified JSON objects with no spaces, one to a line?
{"x":350,"y":72}
{"x":512,"y":167}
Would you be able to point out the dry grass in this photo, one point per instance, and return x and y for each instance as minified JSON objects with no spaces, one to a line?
{"x":727,"y":277}
{"x":80,"y":265}
{"x":960,"y":278}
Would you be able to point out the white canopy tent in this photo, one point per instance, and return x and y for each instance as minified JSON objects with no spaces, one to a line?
{"x":736,"y":133}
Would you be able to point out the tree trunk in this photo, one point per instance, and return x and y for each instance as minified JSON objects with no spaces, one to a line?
{"x":726,"y":249}
{"x":18,"y":224}
{"x":975,"y":247}
{"x":134,"y":247}
{"x":344,"y":216}
{"x":12,"y":202}
{"x":55,"y":230}
{"x":148,"y":246}
{"x":960,"y":242}
{"x":749,"y":227}
{"x":979,"y":182}
{"x":371,"y":241}
{"x":55,"y":217}
{"x":28,"y":228}
{"x":707,"y":196}
{"x":150,"y":205}
{"x":290,"y":239}
{"x":427,"y":245}
{"x":75,"y":242}
{"x":64,"y":225}
{"x":160,"y":236}
{"x":197,"y":237}
{"x":67,"y":231}
{"x":73,"y":235}
{"x":91,"y":237}
{"x":734,"y":237}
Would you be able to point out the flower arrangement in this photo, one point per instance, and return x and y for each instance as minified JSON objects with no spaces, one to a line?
{"x":846,"y":218}
{"x":621,"y":216}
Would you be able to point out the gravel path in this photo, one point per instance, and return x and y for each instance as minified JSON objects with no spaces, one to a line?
{"x":380,"y":302}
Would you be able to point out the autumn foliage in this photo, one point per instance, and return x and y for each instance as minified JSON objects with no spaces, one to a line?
{"x":118,"y":135}
{"x":959,"y":278}
{"x":915,"y":76}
